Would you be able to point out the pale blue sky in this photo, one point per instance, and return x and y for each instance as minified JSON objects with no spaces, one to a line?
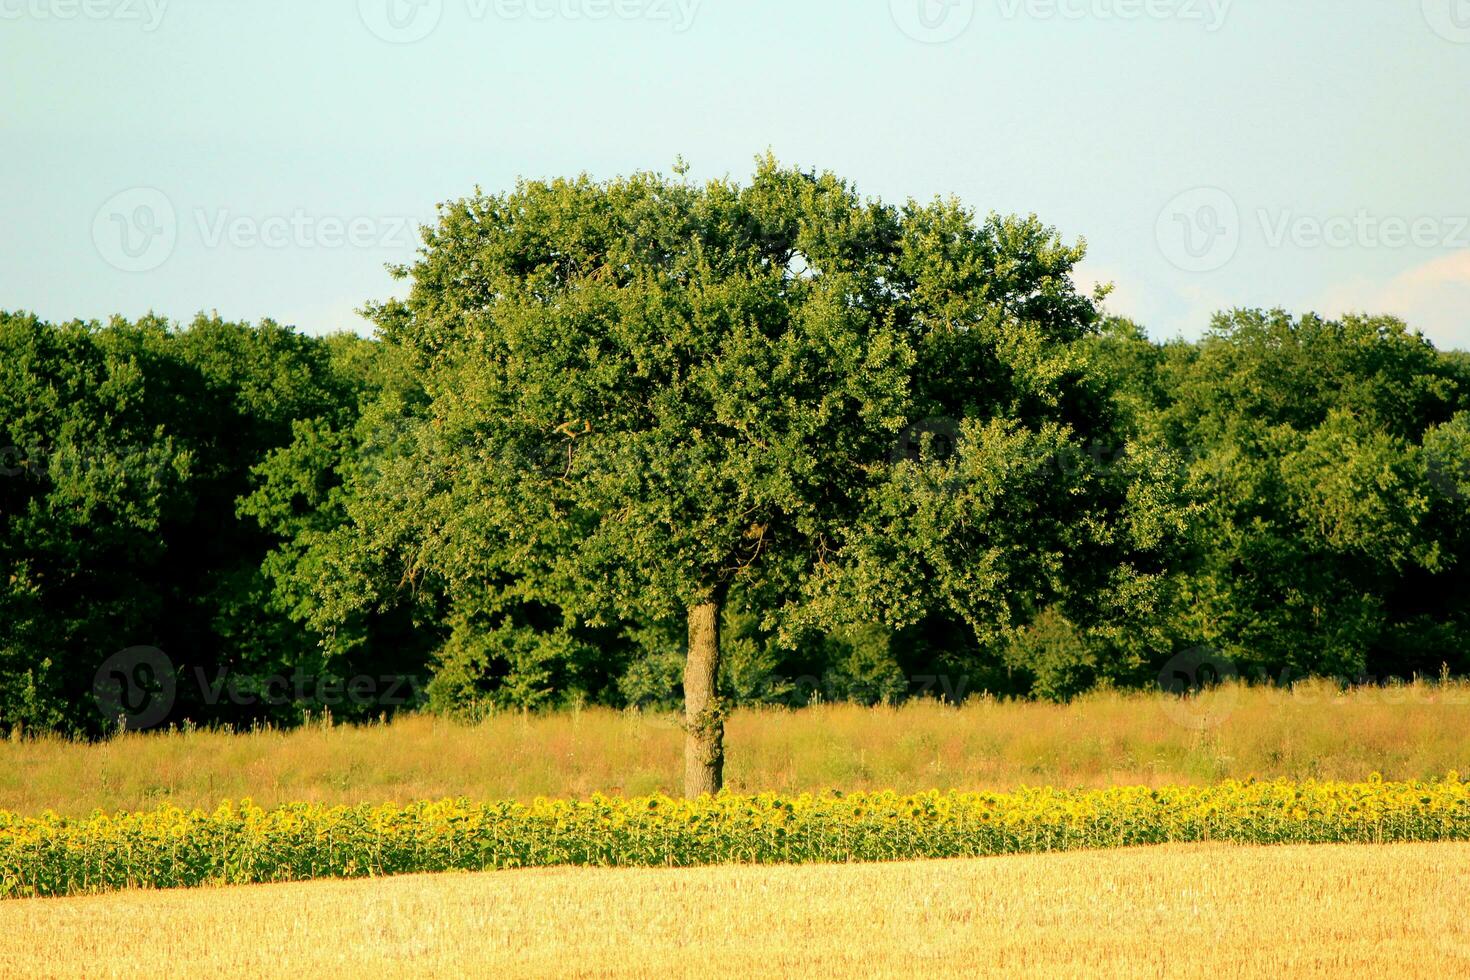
{"x":264,"y":158}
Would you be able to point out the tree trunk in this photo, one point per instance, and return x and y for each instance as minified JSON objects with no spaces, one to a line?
{"x":704,"y":720}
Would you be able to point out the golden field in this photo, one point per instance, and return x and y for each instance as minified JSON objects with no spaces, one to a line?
{"x":1191,"y":911}
{"x":1314,"y":731}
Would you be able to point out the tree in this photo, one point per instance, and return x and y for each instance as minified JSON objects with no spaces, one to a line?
{"x":1326,"y":462}
{"x":644,"y":393}
{"x":123,"y":449}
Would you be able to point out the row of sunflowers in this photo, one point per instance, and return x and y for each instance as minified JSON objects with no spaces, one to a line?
{"x":242,"y":843}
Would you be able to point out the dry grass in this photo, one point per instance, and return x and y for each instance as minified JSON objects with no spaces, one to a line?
{"x":1389,"y":911}
{"x":1109,"y":739}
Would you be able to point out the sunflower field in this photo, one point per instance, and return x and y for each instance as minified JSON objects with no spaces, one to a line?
{"x":241,"y":843}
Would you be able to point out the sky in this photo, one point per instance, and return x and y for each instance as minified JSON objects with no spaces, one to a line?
{"x":270,"y":158}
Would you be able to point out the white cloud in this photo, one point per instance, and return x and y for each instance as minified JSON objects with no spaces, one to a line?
{"x":1433,"y":298}
{"x":1169,"y":308}
{"x":1121,"y":301}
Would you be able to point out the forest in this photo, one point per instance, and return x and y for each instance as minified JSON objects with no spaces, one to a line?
{"x":885,"y":452}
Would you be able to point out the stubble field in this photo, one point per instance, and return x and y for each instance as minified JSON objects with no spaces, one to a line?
{"x":1196,"y":911}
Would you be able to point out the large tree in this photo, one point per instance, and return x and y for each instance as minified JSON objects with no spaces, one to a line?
{"x":645,"y":393}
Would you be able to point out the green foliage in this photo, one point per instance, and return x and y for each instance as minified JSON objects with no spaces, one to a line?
{"x":862,"y":666}
{"x":126,"y":448}
{"x":645,"y":394}
{"x":655,"y":668}
{"x":505,"y":666}
{"x":1056,"y":654}
{"x":1323,"y":463}
{"x":895,"y":444}
{"x":753,"y":663}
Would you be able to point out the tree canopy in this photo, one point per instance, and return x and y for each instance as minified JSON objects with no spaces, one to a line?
{"x":769,"y":441}
{"x":644,"y":394}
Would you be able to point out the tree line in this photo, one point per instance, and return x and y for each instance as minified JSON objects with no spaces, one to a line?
{"x":647,"y":442}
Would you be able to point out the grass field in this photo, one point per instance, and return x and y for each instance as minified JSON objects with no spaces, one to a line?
{"x":1198,"y":910}
{"x":1315,"y":731}
{"x":1216,"y":911}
